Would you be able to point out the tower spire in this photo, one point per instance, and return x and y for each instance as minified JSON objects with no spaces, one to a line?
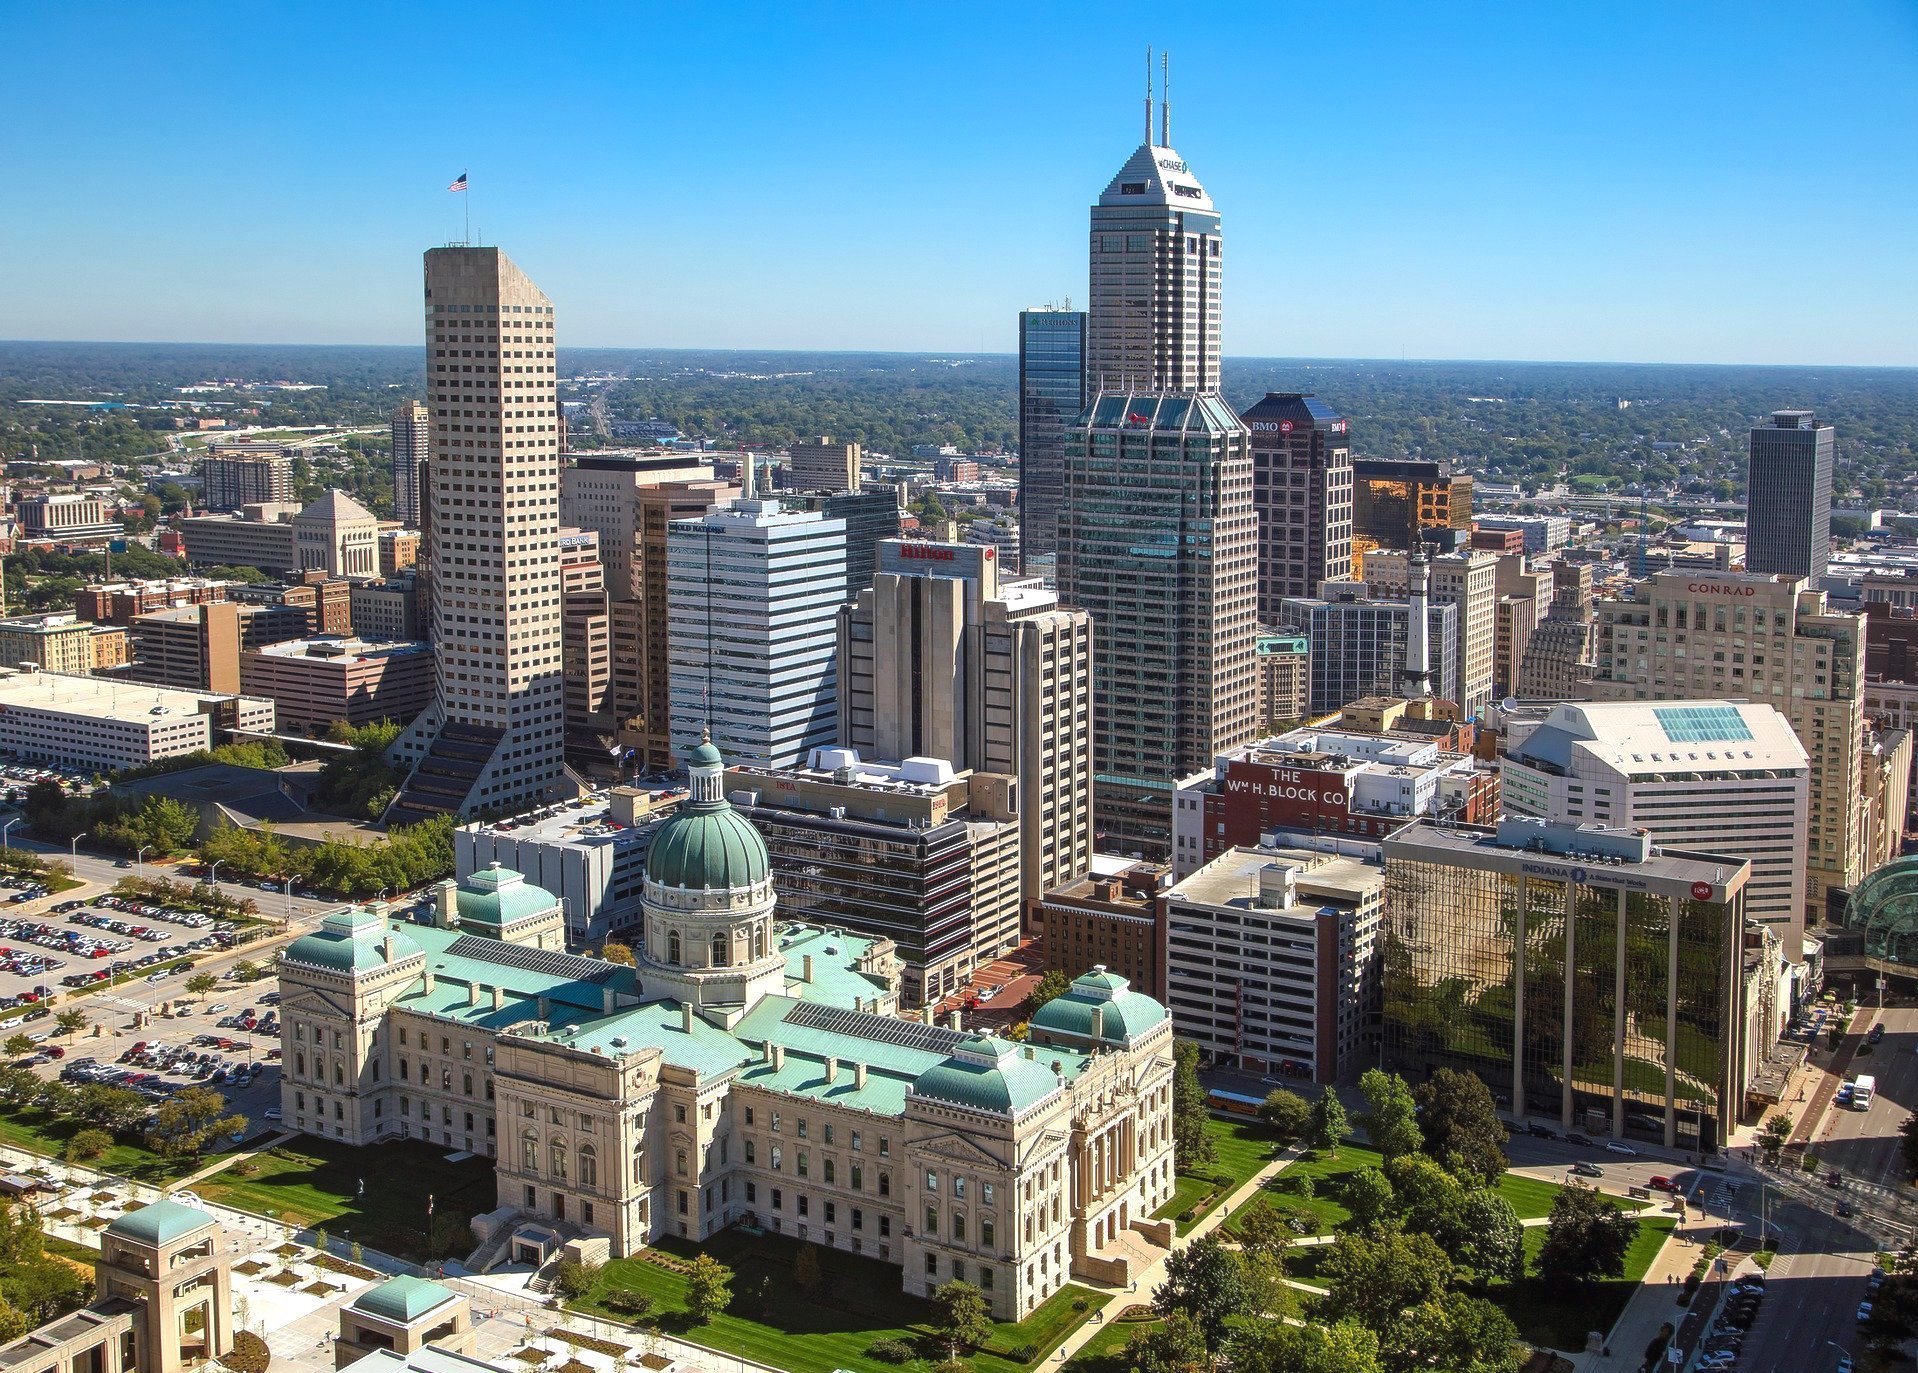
{"x":1148,"y":94}
{"x":1165,"y":100}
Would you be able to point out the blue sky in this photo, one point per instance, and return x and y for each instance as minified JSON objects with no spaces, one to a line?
{"x":1657,"y":182}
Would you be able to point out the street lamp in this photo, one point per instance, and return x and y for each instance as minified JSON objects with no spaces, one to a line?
{"x":213,"y":873}
{"x":73,"y":848}
{"x":4,"y":841}
{"x":140,"y":857}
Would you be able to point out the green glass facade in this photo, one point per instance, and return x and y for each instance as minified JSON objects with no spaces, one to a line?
{"x":1590,"y":996}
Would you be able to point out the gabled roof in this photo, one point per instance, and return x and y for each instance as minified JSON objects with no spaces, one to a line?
{"x":337,"y":506}
{"x":1162,"y":178}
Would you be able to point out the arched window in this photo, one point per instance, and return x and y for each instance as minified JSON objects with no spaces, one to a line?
{"x":588,"y":1166}
{"x":777,"y":1158}
{"x":672,"y":946}
{"x":759,"y":941}
{"x":529,"y":1151}
{"x":719,"y":951}
{"x":557,"y":1157}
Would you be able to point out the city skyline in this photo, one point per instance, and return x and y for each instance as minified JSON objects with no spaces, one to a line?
{"x":1498,"y":187}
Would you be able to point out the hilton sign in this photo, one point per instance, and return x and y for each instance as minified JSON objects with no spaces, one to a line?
{"x":931,"y":553}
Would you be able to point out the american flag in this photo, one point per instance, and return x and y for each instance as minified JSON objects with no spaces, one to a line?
{"x":459,"y":185}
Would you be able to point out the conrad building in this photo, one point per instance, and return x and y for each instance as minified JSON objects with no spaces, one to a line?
{"x":493,"y":738}
{"x":749,"y":1070}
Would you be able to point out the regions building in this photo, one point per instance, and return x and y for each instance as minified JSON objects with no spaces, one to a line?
{"x":108,"y":725}
{"x":412,"y":448}
{"x":1728,"y":777}
{"x":1272,"y":961}
{"x":1324,"y":781}
{"x":1680,"y":636}
{"x":749,"y":1069}
{"x":918,"y":852}
{"x":315,"y":682}
{"x":56,"y":641}
{"x":1395,"y":500}
{"x":1585,"y":976}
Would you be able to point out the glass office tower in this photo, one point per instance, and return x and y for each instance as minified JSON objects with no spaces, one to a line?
{"x":1052,"y":358}
{"x":1589,"y":980}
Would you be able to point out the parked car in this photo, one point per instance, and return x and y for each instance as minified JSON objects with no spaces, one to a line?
{"x":1575,"y":1138}
{"x":1619,"y":1146}
{"x":1587,"y":1170}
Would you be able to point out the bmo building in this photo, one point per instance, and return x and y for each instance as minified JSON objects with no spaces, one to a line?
{"x":1324,"y":782}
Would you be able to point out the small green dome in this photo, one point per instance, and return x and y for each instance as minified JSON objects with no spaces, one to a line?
{"x":708,"y":847}
{"x":349,"y":941}
{"x":402,"y":1300}
{"x":161,"y":1222}
{"x":495,"y":897}
{"x":1123,"y":1013}
{"x":987,"y":1075}
{"x":705,"y":756}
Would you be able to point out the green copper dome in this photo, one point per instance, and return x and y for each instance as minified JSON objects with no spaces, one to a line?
{"x":402,"y":1300}
{"x":987,"y":1075}
{"x":705,"y":756}
{"x":162,"y":1222}
{"x":708,"y":847}
{"x":349,"y":941}
{"x":495,"y":897}
{"x":1123,"y":1013}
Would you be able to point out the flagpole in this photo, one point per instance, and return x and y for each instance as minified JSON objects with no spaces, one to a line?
{"x":468,"y":205}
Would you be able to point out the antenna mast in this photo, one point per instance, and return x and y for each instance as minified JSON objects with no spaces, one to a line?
{"x":1148,"y":94}
{"x":1165,"y":100}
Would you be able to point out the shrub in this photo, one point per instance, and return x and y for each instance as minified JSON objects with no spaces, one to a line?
{"x":1080,"y":1304}
{"x":627,"y":1302}
{"x":244,"y":1168}
{"x":891,"y":1351}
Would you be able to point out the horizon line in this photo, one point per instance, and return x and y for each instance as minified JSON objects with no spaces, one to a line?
{"x":1009,"y":356}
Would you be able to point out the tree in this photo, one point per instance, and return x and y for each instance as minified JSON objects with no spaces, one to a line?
{"x":1375,"y":1280}
{"x":1369,"y":1197}
{"x":1173,"y":1345}
{"x":110,"y":1108}
{"x":1206,"y":1281}
{"x":1460,"y":1123}
{"x":191,"y":1119}
{"x":1286,"y":1114}
{"x":1191,"y":1140}
{"x":18,"y":1044}
{"x":1263,"y":1231}
{"x":1392,"y":1120}
{"x":1494,"y":1244}
{"x":71,"y":1021}
{"x":960,"y":1317}
{"x":1585,"y":1239}
{"x":1456,"y":1332}
{"x":806,"y":1271}
{"x":88,"y":1144}
{"x":709,"y":1286}
{"x":1052,"y":985}
{"x":1274,"y":1347}
{"x":615,"y":952}
{"x":575,"y":1278}
{"x":1328,"y":1126}
{"x":202,"y":983}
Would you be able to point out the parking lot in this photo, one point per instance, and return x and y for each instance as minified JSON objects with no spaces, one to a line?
{"x":79,"y":943}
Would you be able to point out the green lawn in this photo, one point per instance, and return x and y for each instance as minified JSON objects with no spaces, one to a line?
{"x":1530,"y":1197}
{"x":1240,"y":1149}
{"x":40,"y":1133}
{"x":1561,"y":1320}
{"x":1105,"y":1351}
{"x":857,"y":1302}
{"x":318,"y":1182}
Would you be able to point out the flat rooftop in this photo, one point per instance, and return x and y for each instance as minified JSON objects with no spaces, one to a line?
{"x":101,"y":697}
{"x":1232,"y":879}
{"x":587,"y":822}
{"x":1668,"y":872}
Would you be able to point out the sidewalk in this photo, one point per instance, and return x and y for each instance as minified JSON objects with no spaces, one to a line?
{"x":1655,"y":1303}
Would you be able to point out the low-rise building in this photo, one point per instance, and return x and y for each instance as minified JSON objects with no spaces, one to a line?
{"x":56,"y":641}
{"x":318,"y":681}
{"x":1272,"y":961}
{"x":1285,"y":683}
{"x":116,"y":603}
{"x":72,"y":517}
{"x":1112,"y":916}
{"x":109,"y":725}
{"x":1324,"y":781}
{"x":388,"y":609}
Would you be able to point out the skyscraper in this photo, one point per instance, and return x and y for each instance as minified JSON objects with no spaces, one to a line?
{"x":1156,"y":255}
{"x":493,"y":738}
{"x":1158,"y":542}
{"x":1302,"y":485}
{"x":753,"y":592}
{"x":940,"y":659}
{"x":1052,"y":380}
{"x":1788,"y":496}
{"x":412,"y":445}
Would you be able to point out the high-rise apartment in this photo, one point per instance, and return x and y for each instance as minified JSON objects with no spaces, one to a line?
{"x":1158,"y":542}
{"x":1052,"y":382}
{"x":1686,"y":636}
{"x":631,"y":499}
{"x":822,"y":464}
{"x":233,"y":479}
{"x":1156,"y":254}
{"x":494,"y":737}
{"x":939,"y":659}
{"x":1467,"y":579}
{"x":1724,"y":776}
{"x":412,"y":445}
{"x":1788,"y":496}
{"x":753,"y":593}
{"x":1302,"y":485}
{"x":1557,"y":660}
